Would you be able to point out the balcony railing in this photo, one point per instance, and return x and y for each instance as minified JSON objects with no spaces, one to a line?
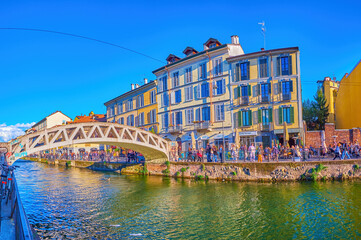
{"x":175,"y":129}
{"x":286,"y":96}
{"x":265,"y":98}
{"x":202,"y":125}
{"x":244,"y":100}
{"x":266,"y":127}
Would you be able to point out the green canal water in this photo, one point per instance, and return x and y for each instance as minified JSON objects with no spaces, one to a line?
{"x":72,"y":203}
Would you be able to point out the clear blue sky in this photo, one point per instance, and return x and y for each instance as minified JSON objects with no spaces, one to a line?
{"x":41,"y":72}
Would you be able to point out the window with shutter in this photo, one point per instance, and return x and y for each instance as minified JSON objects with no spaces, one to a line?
{"x":292,"y":115}
{"x":237,"y":73}
{"x":280,"y":117}
{"x":244,"y":70}
{"x":240,"y":119}
{"x":270,"y":115}
{"x":263,"y":68}
{"x":259,"y":116}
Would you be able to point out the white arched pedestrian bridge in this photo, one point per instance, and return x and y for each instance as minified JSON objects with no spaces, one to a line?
{"x":153,"y":147}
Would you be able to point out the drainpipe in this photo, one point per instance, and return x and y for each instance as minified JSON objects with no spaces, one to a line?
{"x":211,"y":88}
{"x":169,"y":97}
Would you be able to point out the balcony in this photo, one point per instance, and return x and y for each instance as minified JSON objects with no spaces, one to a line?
{"x":286,"y":96}
{"x":244,"y":100}
{"x":265,"y":99}
{"x":202,"y":125}
{"x":175,"y":129}
{"x":266,"y":127}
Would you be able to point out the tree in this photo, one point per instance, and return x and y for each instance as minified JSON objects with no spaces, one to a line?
{"x":309,"y":114}
{"x":320,"y":108}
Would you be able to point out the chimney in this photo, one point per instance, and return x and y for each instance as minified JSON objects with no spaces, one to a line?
{"x":235,"y":39}
{"x":262,"y":49}
{"x":137,"y":85}
{"x":133,"y":87}
{"x":205,"y":47}
{"x":145,"y":80}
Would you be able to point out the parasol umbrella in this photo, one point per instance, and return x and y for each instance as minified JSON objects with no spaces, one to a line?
{"x":285,"y":134}
{"x":193,"y":141}
{"x":237,"y":140}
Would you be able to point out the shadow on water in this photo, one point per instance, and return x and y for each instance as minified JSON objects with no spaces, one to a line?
{"x":72,"y":203}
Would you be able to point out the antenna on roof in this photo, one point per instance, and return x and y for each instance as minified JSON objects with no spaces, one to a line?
{"x":263,"y":28}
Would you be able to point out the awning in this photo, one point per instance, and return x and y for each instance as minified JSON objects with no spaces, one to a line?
{"x":219,"y":136}
{"x":248,"y":133}
{"x":203,"y":137}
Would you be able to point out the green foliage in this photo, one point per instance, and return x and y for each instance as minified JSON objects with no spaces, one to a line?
{"x":303,"y":177}
{"x":199,"y":177}
{"x":144,"y":170}
{"x":234,"y":173}
{"x":203,"y":167}
{"x":314,"y":176}
{"x":324,"y":178}
{"x":356,"y":167}
{"x":206,"y":177}
{"x":183,"y":170}
{"x":320,"y":167}
{"x":167,"y":163}
{"x":177,"y":174}
{"x":315,"y":112}
{"x":68,"y":163}
{"x":165,"y":171}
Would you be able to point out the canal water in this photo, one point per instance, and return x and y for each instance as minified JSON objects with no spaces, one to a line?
{"x":73,"y":203}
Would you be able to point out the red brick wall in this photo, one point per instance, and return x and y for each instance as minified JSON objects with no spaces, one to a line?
{"x":313,"y":138}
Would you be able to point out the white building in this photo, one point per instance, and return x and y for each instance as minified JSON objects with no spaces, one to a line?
{"x":55,"y":119}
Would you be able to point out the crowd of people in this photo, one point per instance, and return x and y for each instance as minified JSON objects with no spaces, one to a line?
{"x":274,"y":153}
{"x":94,"y":156}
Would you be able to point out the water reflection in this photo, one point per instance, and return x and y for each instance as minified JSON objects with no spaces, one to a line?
{"x":76,"y":203}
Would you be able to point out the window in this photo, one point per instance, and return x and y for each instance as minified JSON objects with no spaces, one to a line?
{"x":141,"y":119}
{"x":130,"y":120}
{"x":165,"y":122}
{"x":265,"y":116}
{"x":164,"y":99}
{"x":177,"y":118}
{"x":122,"y":120}
{"x":206,"y":113}
{"x":286,"y":114}
{"x":203,"y":71}
{"x":178,"y":96}
{"x":130,"y":104}
{"x":152,"y":97}
{"x":219,"y":112}
{"x":246,"y":91}
{"x":189,"y":116}
{"x":163,"y":84}
{"x":198,"y":114}
{"x":220,"y":87}
{"x":284,"y":66}
{"x":244,"y":70}
{"x":120,"y":108}
{"x":246,"y":118}
{"x":175,"y":79}
{"x":189,"y":93}
{"x":265,"y":92}
{"x":152,"y":116}
{"x":205,"y":90}
{"x":140,"y":101}
{"x":287,"y":87}
{"x":263,"y":68}
{"x":188,"y":75}
{"x":212,"y":45}
{"x":217,"y":67}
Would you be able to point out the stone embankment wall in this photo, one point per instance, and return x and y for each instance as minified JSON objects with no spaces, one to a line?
{"x":263,"y":172}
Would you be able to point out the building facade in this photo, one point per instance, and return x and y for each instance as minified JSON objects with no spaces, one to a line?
{"x":55,"y":119}
{"x":348,"y":107}
{"x":194,"y":95}
{"x":266,"y":95}
{"x":137,"y":107}
{"x":329,"y":89}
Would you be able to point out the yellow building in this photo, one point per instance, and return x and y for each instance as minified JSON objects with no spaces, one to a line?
{"x":194,"y":95}
{"x":348,"y":102}
{"x":329,"y":89}
{"x":137,"y":107}
{"x":266,"y":93}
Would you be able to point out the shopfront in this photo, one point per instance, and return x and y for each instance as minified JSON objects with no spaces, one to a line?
{"x":247,"y":138}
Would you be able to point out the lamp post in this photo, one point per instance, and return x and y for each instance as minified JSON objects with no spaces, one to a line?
{"x":224,"y":146}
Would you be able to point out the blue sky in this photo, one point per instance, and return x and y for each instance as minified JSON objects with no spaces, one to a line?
{"x":41,"y":72}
